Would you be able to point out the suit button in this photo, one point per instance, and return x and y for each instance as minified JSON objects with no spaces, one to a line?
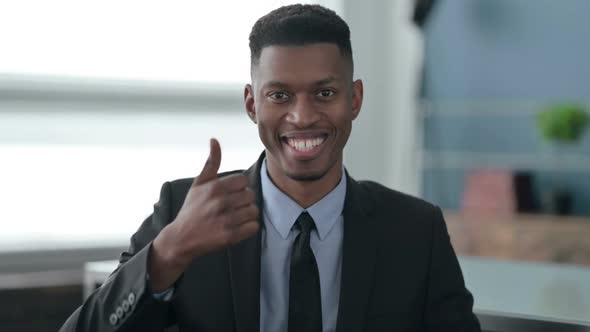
{"x":119,"y":312}
{"x":113,"y":319}
{"x":131,"y":298}
{"x":125,"y":305}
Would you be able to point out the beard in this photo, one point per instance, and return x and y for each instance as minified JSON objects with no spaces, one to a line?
{"x":310,"y":177}
{"x":306,"y":177}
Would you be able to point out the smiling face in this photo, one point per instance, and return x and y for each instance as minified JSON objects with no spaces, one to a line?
{"x":304,"y":101}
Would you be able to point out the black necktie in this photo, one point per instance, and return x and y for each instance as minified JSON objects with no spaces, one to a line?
{"x":305,"y":302}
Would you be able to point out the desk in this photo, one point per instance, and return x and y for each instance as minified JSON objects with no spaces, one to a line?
{"x":525,"y":296}
{"x":509,"y":296}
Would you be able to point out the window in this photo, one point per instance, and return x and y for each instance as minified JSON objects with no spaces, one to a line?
{"x":97,"y":190}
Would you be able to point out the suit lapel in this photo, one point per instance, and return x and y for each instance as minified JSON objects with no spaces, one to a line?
{"x":358,"y":258}
{"x":244,"y":267}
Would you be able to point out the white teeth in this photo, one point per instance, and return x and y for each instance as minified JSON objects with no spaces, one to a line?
{"x":305,"y":145}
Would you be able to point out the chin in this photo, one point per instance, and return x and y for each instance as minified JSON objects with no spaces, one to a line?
{"x":308,"y":175}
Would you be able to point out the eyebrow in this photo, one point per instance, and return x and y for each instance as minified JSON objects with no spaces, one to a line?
{"x":281,"y":85}
{"x":325,"y":81}
{"x":276,"y":84}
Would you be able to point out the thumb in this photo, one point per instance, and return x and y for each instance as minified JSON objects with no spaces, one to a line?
{"x":211,"y":167}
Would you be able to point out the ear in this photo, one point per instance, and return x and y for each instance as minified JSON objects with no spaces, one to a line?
{"x":249,"y":102}
{"x":357,"y":97}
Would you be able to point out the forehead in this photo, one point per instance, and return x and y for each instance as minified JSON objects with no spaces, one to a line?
{"x":301,"y":64}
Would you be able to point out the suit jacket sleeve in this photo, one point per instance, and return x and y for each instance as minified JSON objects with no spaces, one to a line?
{"x":449,"y":303}
{"x":125,"y":302}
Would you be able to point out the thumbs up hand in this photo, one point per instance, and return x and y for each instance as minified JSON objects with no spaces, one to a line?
{"x":217,"y":213}
{"x":211,"y":167}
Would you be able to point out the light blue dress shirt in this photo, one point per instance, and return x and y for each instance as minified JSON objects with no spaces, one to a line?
{"x":279,"y":215}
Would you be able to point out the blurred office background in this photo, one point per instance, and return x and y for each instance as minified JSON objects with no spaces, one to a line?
{"x":103,"y":101}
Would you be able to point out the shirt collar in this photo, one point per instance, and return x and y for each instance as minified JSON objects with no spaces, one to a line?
{"x":282,"y":211}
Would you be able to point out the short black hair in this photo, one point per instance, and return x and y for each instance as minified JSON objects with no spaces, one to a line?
{"x":298,"y":25}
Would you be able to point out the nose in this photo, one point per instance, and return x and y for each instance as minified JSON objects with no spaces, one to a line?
{"x":303,"y":113}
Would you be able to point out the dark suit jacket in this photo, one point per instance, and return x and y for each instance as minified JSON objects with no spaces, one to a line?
{"x":399,"y":273}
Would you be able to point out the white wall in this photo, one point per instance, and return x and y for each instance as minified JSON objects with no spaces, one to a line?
{"x":384,"y":144}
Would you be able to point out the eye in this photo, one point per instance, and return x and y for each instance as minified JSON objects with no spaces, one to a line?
{"x":324,"y":93}
{"x":279,"y":96}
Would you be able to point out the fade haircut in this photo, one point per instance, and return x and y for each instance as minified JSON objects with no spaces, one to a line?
{"x":299,"y":25}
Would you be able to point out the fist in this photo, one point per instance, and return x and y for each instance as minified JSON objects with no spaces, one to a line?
{"x":217,"y":212}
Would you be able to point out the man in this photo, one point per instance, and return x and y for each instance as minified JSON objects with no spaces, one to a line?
{"x":293,"y":243}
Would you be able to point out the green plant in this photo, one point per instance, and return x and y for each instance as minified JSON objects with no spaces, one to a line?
{"x":564,"y":122}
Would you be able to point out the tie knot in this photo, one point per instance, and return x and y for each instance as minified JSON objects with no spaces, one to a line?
{"x":305,"y":222}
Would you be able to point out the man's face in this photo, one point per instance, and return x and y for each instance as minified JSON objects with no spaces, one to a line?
{"x":303,"y":101}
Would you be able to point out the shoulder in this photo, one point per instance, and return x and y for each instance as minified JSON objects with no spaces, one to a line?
{"x":399,"y":213}
{"x":402,"y":222}
{"x":384,"y":199}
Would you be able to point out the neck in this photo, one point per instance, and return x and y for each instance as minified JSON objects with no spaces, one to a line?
{"x":306,"y":193}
